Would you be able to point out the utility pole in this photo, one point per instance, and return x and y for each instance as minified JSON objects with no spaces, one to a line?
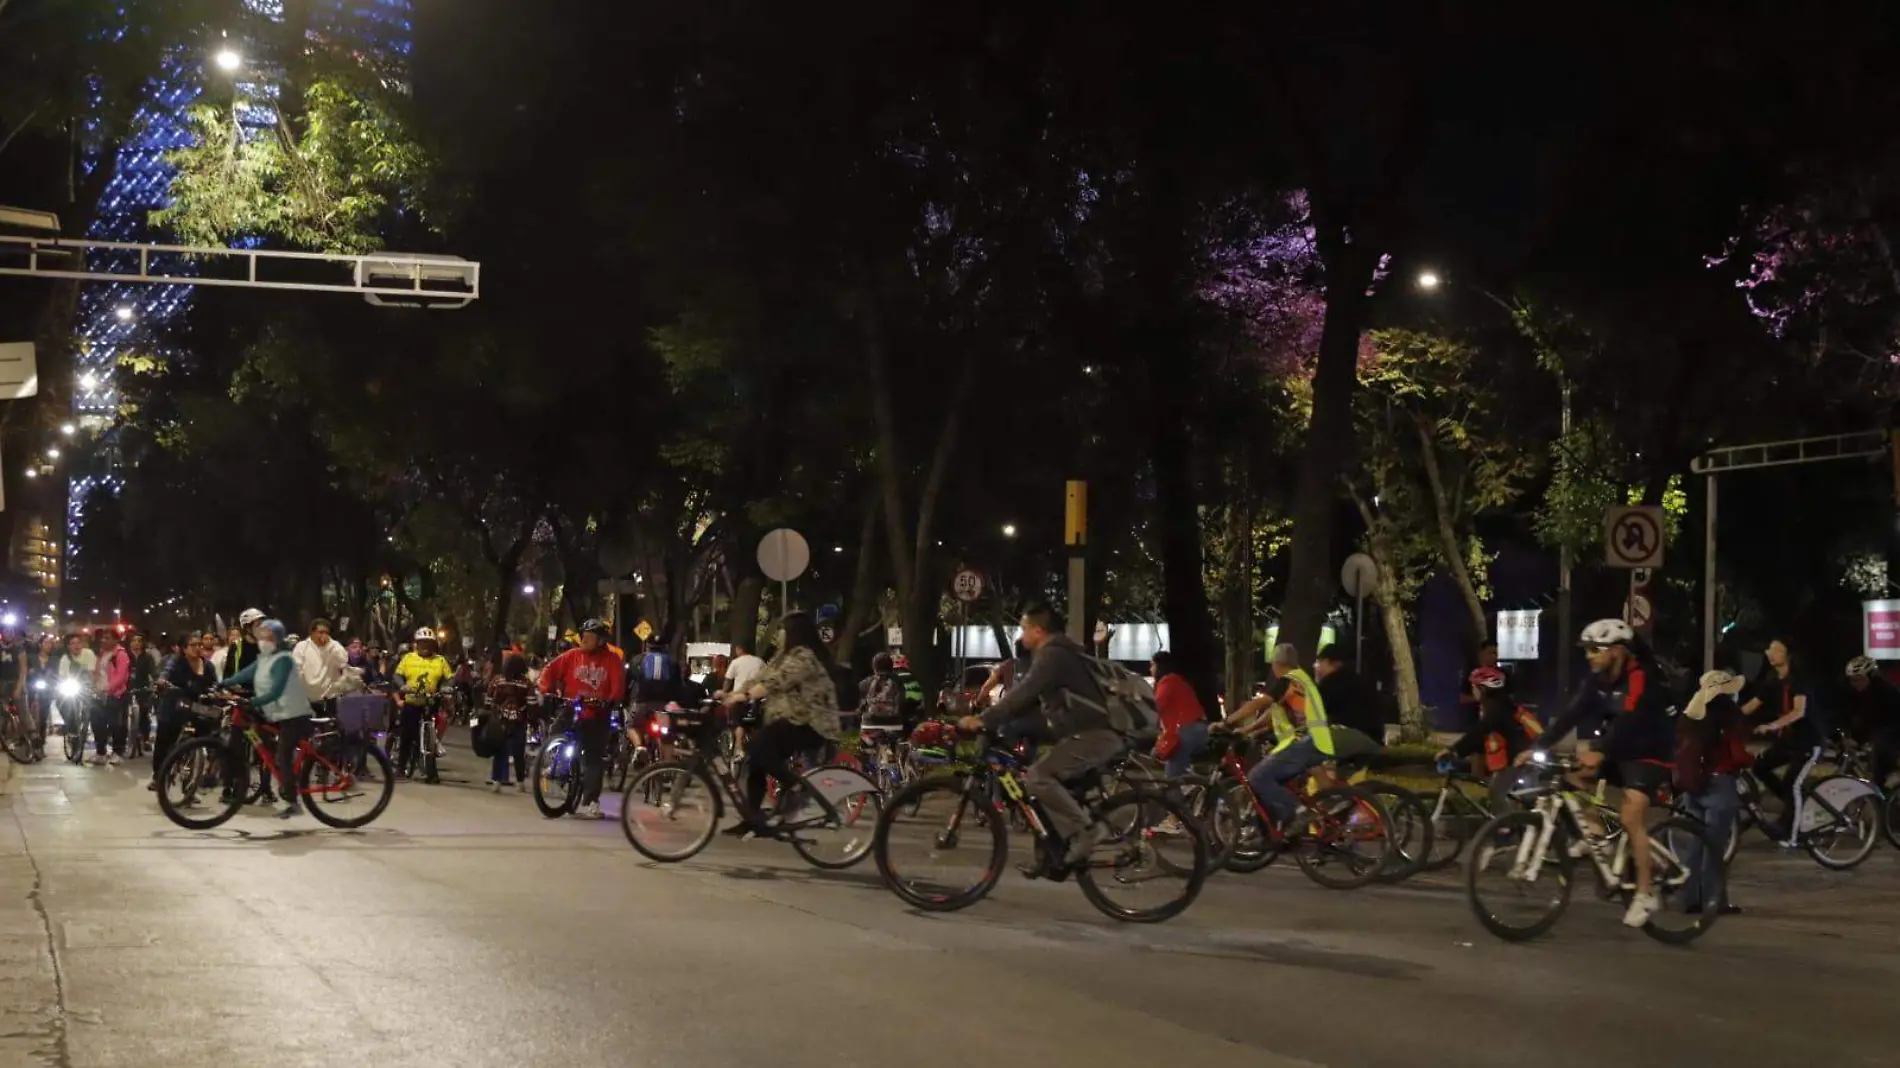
{"x":1075,"y":530}
{"x":1565,"y":561}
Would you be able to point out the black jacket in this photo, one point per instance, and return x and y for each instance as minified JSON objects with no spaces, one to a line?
{"x":238,"y":656}
{"x":1057,"y":670}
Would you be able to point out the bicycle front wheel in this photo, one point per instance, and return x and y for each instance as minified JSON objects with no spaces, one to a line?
{"x":1157,"y":857}
{"x":1514,"y":898}
{"x":557,"y":776}
{"x":938,"y":847}
{"x":669,"y":812}
{"x":1219,"y":820}
{"x":74,"y":737}
{"x":336,"y":796}
{"x":18,"y":740}
{"x":1342,"y":839}
{"x":1846,"y":840}
{"x":1411,"y":831}
{"x":195,"y":785}
{"x":1890,"y":818}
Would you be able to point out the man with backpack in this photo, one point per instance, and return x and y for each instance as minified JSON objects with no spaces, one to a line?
{"x":1062,"y":687}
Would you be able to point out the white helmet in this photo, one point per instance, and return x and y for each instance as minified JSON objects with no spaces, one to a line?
{"x":1607,"y":632}
{"x":250,"y":617}
{"x":1861,"y":667}
{"x":425,"y":635}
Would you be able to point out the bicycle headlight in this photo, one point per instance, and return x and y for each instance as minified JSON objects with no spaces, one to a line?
{"x":69,"y":687}
{"x":1538,"y":756}
{"x":39,"y":684}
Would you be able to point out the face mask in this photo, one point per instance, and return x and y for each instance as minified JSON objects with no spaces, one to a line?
{"x":266,"y":646}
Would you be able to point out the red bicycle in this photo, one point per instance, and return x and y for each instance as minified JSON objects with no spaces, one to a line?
{"x":193,"y":779}
{"x":1340,"y":835}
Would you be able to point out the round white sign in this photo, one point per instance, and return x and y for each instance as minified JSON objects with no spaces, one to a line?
{"x":783,"y":555}
{"x":967,"y":586}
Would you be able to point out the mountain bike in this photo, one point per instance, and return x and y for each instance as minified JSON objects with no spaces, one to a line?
{"x":1518,"y":877}
{"x":557,"y":764}
{"x":1341,"y":835}
{"x":938,"y":823}
{"x":671,"y":809}
{"x":191,"y":794}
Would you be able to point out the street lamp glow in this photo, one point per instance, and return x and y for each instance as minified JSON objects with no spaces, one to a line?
{"x":123,"y":313}
{"x":228,"y":60}
{"x":68,"y":429}
{"x":52,"y":454}
{"x":528,"y":589}
{"x":32,"y":472}
{"x":89,"y":381}
{"x":1009,"y":530}
{"x":1428,"y":279}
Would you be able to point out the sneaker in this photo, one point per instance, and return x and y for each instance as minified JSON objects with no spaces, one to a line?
{"x":1642,"y":907}
{"x":98,"y":760}
{"x":1170,"y":826}
{"x":521,"y":786}
{"x":589,"y":811}
{"x":291,"y":810}
{"x":114,"y":760}
{"x":1084,"y":844}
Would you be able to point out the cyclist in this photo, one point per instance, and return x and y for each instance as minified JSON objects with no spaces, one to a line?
{"x":278,"y":693}
{"x":421,"y":674}
{"x":1639,"y":745}
{"x":241,"y":649}
{"x":1505,"y":730}
{"x":1873,"y":714}
{"x":1293,"y":710}
{"x":1183,"y":720}
{"x":880,"y":695}
{"x":596,"y":675}
{"x":801,"y":712}
{"x":1796,"y":728}
{"x":1058,"y":668}
{"x":188,"y":677}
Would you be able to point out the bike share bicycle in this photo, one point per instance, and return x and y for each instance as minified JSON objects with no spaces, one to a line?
{"x":1841,"y":814}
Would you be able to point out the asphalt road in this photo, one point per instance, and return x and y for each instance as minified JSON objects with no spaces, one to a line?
{"x":464,"y":929}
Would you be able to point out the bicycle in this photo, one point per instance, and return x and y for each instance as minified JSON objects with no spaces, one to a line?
{"x":1553,"y":834}
{"x":138,"y":706}
{"x":934,"y":814}
{"x":320,"y":768}
{"x":822,"y":814}
{"x":1857,"y":760}
{"x":16,"y":734}
{"x":75,"y":720}
{"x":1456,"y":814}
{"x":558,"y":762}
{"x":1833,"y":809}
{"x":428,"y":734}
{"x":1335,"y":822}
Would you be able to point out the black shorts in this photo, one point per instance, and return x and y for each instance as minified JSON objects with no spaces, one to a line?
{"x":1643,"y":776}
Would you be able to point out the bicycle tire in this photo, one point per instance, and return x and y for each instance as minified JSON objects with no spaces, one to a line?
{"x":1409,"y":821}
{"x":74,"y":739}
{"x":1890,"y":818}
{"x":1455,"y":818}
{"x":19,"y":740}
{"x":1253,"y":848}
{"x":648,"y":780}
{"x":1334,"y":803}
{"x":912,"y":797}
{"x":1511,"y":824}
{"x":384,"y":786}
{"x":1196,"y":876}
{"x":852,"y":809}
{"x":1218,"y":819}
{"x":1869,"y":802}
{"x":1671,"y":830}
{"x":430,"y":737}
{"x":191,"y":758}
{"x":570,"y":747}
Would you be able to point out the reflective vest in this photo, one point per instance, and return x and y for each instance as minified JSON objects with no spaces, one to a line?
{"x":1302,"y":696}
{"x":1497,"y":750}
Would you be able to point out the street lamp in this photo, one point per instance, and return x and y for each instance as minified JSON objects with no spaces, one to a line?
{"x":1009,"y":530}
{"x":89,"y":381}
{"x":52,"y":454}
{"x":32,"y":472}
{"x":1428,"y":280}
{"x":228,"y":60}
{"x":124,"y":313}
{"x":528,"y":589}
{"x":68,"y":429}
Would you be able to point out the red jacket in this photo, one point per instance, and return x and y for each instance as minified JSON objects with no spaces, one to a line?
{"x":1179,"y":707}
{"x":578,"y":674}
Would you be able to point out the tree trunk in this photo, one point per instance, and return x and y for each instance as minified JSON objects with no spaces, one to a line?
{"x":1412,"y":725}
{"x":1237,"y":598}
{"x":743,"y":625}
{"x":1329,"y":439}
{"x":1178,"y":516}
{"x":505,"y":590}
{"x":863,"y":592}
{"x":890,"y":470}
{"x":1449,"y":543}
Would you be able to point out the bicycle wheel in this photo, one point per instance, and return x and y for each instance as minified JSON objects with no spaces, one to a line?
{"x":1456,"y":819}
{"x":934,"y":849}
{"x":835,"y":844}
{"x":191,"y":781}
{"x":1251,"y":847}
{"x":1673,"y":844}
{"x":1411,"y":831}
{"x":557,"y":776}
{"x":619,"y":763}
{"x":338,"y":798}
{"x":74,"y":737}
{"x":1163,"y":853}
{"x":1219,"y":821}
{"x":429,"y":740}
{"x":670,"y":811}
{"x":1514,"y":899}
{"x":18,"y":740}
{"x":1342,"y":838}
{"x":1890,"y":818}
{"x":1846,"y":840}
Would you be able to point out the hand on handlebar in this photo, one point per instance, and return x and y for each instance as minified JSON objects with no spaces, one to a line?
{"x":970,"y":725}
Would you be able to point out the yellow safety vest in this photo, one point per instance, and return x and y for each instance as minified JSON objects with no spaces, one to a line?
{"x":1303,"y":691}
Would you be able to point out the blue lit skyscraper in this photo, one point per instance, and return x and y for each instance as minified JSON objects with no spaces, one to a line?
{"x":117,"y":318}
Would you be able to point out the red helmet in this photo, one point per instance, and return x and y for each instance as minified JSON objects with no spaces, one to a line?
{"x":1488,"y":678}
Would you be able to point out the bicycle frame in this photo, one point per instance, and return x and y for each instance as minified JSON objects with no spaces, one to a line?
{"x":1232,"y":767}
{"x":254,"y":729}
{"x":1531,"y":852}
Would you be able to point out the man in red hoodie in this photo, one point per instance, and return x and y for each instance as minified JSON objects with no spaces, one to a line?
{"x":594,"y":673}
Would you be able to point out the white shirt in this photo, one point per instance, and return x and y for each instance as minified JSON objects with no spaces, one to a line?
{"x":741,"y":672}
{"x":323,"y":668}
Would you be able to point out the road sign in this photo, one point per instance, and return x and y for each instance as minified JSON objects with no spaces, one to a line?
{"x":967,"y":586}
{"x":1633,"y":537}
{"x":1359,"y":575}
{"x":643,"y":631}
{"x":1640,"y":576}
{"x":783,"y":555}
{"x":1637,"y":611}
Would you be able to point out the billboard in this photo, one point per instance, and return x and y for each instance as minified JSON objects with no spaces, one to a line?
{"x":1517,"y":634}
{"x":1880,"y":629}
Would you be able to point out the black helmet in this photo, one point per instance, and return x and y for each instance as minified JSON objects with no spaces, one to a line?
{"x":595,"y":626}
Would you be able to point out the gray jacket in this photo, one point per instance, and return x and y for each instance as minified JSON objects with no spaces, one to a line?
{"x":1057,"y":670}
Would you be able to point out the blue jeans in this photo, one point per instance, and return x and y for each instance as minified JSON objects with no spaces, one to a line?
{"x":1189,"y":740}
{"x":1716,"y":806}
{"x":1269,"y":777}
